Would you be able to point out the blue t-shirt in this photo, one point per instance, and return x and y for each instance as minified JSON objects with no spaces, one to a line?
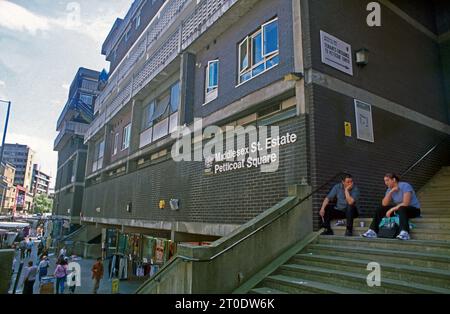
{"x":404,"y":187}
{"x":338,"y":192}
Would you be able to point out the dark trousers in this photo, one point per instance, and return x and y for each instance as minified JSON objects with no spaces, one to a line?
{"x":28,"y":287}
{"x":405,"y":213}
{"x":350,"y":213}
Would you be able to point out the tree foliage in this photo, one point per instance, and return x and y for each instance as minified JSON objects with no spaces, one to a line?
{"x":43,"y":204}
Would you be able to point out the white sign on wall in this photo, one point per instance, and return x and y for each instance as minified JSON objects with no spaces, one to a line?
{"x":336,"y":53}
{"x":364,"y":123}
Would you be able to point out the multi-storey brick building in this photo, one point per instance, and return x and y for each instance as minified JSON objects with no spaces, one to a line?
{"x":41,"y":181}
{"x":7,"y":189}
{"x":22,"y":157}
{"x":72,"y":125}
{"x":291,"y":64}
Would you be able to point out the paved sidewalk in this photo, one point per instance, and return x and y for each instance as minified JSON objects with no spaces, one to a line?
{"x":125,"y":287}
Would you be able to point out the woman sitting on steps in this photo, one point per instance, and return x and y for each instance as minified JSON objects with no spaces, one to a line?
{"x":400,"y":199}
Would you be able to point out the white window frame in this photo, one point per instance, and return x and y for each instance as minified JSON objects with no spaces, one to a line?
{"x":245,"y":41}
{"x":212,"y":94}
{"x":250,"y":51}
{"x":99,"y":154}
{"x":126,"y":137}
{"x":271,"y":54}
{"x":116,"y":144}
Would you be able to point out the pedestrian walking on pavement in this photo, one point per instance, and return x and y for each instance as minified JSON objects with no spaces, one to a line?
{"x":30,"y":245}
{"x":22,"y":248}
{"x":29,"y":278}
{"x":43,"y":267}
{"x":72,"y":280}
{"x":60,"y":275}
{"x":97,"y":274}
{"x":40,"y":248}
{"x":62,"y":252}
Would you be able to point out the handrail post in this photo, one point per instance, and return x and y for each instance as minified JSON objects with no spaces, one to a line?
{"x":299,"y":190}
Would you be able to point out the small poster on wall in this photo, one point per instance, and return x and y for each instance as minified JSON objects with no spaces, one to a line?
{"x":364,"y":123}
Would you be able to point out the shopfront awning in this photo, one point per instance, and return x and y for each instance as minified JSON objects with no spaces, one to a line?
{"x":13,"y":225}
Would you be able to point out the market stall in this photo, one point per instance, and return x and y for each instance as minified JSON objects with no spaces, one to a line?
{"x":136,"y":256}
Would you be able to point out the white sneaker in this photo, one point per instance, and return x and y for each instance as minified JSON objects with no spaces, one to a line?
{"x":370,"y":234}
{"x":404,"y":235}
{"x":340,"y":223}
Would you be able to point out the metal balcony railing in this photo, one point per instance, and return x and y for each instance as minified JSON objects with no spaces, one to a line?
{"x":70,"y":127}
{"x":178,"y":23}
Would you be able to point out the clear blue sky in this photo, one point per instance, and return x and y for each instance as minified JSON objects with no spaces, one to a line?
{"x":42,"y":44}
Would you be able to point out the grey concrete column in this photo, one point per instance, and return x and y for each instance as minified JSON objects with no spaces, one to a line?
{"x":187,"y":80}
{"x":298,"y":56}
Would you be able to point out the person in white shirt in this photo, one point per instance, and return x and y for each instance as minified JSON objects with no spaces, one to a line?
{"x":62,"y":253}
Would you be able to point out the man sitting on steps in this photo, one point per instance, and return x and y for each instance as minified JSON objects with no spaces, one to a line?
{"x":346,"y":195}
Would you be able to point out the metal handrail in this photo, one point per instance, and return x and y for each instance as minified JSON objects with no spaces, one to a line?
{"x":414,"y":165}
{"x":190,"y":259}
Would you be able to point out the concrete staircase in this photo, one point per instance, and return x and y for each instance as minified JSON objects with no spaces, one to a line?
{"x":337,"y":264}
{"x":80,"y":242}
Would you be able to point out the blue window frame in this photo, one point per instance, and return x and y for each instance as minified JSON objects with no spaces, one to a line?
{"x":212,"y":81}
{"x":259,"y":51}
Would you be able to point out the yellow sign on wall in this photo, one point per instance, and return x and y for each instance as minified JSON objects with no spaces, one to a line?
{"x":348,"y":129}
{"x":115,"y":286}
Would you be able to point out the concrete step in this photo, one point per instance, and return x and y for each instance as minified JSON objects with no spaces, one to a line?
{"x":419,"y":275}
{"x":435,"y":203}
{"x":435,"y":213}
{"x":416,"y":233}
{"x":434,"y":187}
{"x":434,"y":247}
{"x":428,"y":223}
{"x":265,"y":290}
{"x":356,"y":281}
{"x":295,"y":285}
{"x":419,"y":259}
{"x":445,"y":199}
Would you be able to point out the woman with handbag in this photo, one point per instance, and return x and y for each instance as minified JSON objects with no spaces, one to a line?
{"x":400,"y":199}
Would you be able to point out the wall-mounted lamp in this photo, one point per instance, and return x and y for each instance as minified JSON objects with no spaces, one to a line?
{"x":362,"y":57}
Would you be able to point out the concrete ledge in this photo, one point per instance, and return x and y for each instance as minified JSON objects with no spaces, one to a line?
{"x":209,"y":229}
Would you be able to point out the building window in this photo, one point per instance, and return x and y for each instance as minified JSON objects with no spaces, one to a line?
{"x":126,"y":137}
{"x":86,"y":99}
{"x":127,"y":35}
{"x":212,"y":81}
{"x":116,"y":144}
{"x":138,"y":21}
{"x":99,"y":152}
{"x":259,"y":51}
{"x":147,"y":117}
{"x":160,"y":116}
{"x":114,"y":55}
